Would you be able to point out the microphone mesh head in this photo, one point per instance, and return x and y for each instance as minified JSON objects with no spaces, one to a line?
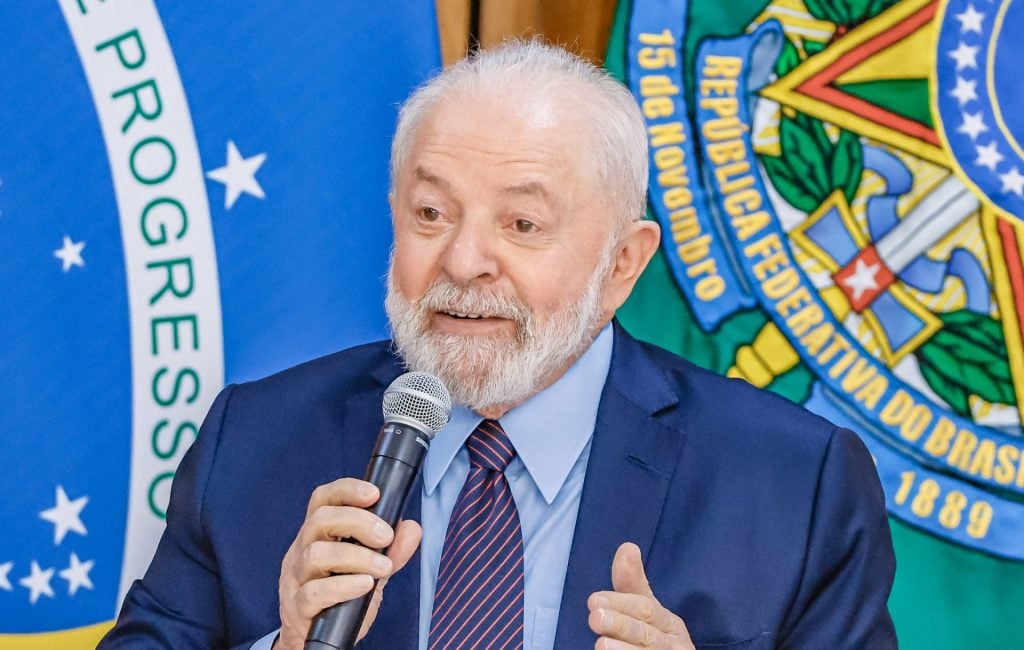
{"x":420,"y":397}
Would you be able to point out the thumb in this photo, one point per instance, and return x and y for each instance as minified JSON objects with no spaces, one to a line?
{"x":628,"y":574}
{"x":407,"y":539}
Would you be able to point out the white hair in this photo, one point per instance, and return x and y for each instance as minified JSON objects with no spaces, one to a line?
{"x":519,"y":70}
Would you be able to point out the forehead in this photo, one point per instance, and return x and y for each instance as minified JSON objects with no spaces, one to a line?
{"x":515,"y":132}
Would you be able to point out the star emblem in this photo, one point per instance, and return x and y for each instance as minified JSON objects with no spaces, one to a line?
{"x":70,"y":254}
{"x":973,"y":125}
{"x":77,"y":574}
{"x":988,"y":156}
{"x":970,"y":20}
{"x":38,"y":583}
{"x":1013,"y":181}
{"x":5,"y":570}
{"x":966,"y":56}
{"x":965,"y":90}
{"x":65,"y":516}
{"x":862,"y":279}
{"x":238,"y":175}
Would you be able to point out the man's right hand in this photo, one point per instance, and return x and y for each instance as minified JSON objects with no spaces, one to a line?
{"x":308,"y":582}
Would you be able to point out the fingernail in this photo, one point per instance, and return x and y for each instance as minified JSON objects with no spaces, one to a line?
{"x":367,"y":490}
{"x":600,"y":601}
{"x":382,"y":563}
{"x":364,"y":581}
{"x":381,"y":530}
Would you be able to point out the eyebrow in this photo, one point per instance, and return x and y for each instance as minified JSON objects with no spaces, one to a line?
{"x":433,"y":179}
{"x":531,"y":188}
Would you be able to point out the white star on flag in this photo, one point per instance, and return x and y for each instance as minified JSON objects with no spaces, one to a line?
{"x":966,"y":56}
{"x":38,"y":583}
{"x":77,"y":574}
{"x":973,"y":125}
{"x":70,"y":254}
{"x":970,"y":20}
{"x":965,"y":91}
{"x":862,"y":279}
{"x":988,"y":156}
{"x":5,"y":570}
{"x":238,"y":175}
{"x":65,"y":516}
{"x":1013,"y":181}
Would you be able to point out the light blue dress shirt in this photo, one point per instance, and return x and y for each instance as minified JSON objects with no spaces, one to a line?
{"x":551,"y":432}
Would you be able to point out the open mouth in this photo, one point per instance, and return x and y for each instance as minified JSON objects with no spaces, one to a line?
{"x":459,"y":314}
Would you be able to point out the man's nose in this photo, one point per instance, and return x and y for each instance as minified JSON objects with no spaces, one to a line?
{"x":470,"y":254}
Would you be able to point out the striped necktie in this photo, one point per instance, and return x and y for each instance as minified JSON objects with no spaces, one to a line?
{"x":478,"y":598}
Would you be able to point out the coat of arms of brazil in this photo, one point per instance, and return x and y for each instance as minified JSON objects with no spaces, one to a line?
{"x":841,"y":191}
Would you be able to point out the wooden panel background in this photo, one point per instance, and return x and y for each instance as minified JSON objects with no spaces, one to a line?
{"x":582,"y":26}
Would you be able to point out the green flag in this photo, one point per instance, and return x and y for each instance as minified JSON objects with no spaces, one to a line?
{"x":840,"y":193}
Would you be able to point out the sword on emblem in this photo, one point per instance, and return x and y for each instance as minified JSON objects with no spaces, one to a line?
{"x":865,"y":273}
{"x":865,"y":266}
{"x":870,"y":272}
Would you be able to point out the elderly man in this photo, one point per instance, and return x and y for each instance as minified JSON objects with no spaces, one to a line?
{"x":588,"y":489}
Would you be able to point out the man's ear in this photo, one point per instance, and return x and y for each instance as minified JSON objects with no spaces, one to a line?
{"x":633,"y":253}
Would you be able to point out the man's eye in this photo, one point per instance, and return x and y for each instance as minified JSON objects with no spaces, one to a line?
{"x":430,"y":214}
{"x":522,"y":225}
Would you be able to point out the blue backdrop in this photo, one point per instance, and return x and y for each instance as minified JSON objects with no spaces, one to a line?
{"x":291,"y":106}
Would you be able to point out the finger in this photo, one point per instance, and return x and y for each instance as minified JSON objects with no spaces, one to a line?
{"x":407,"y":539}
{"x":371,"y":610}
{"x":628,"y":574}
{"x":343,"y":492}
{"x":615,"y":625}
{"x":323,"y":558}
{"x":642,"y":608}
{"x":604,"y":643}
{"x":343,"y":522}
{"x":317,"y":595}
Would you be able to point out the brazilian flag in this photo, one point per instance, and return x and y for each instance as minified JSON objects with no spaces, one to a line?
{"x":191,"y":193}
{"x":841,"y":196}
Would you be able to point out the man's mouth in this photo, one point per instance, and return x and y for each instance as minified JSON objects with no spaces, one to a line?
{"x":459,"y":314}
{"x":472,"y":323}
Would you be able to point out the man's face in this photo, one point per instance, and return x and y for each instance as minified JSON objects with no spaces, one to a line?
{"x":502,"y":235}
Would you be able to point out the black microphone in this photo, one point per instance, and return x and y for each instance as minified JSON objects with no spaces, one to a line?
{"x":416,"y":406}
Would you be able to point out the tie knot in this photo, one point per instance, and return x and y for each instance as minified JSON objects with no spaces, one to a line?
{"x":489,"y":446}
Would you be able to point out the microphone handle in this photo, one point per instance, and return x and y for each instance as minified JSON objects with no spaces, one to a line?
{"x":393,"y":467}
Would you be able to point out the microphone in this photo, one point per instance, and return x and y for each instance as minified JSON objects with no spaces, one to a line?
{"x":416,"y":406}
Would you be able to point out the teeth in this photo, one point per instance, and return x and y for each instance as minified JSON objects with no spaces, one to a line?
{"x":459,"y":314}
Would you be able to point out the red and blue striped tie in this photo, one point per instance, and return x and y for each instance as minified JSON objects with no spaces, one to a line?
{"x":478,"y":598}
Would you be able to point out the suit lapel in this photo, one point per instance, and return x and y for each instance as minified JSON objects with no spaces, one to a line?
{"x":631,"y":461}
{"x":632,"y":458}
{"x":397,"y":624}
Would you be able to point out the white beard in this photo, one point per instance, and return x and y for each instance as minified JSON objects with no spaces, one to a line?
{"x":482,"y":371}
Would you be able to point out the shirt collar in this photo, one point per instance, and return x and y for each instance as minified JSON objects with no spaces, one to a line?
{"x":549,"y":430}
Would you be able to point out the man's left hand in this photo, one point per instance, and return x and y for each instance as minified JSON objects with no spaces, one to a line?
{"x":630,"y":616}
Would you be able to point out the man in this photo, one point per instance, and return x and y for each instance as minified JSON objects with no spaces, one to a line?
{"x":640,"y":501}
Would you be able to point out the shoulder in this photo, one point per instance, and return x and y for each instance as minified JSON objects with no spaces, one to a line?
{"x":731,"y":410}
{"x":261,"y":425}
{"x":270,"y":441}
{"x":730,"y":429}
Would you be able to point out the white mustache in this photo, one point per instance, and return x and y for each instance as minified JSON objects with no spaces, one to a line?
{"x":444,"y":296}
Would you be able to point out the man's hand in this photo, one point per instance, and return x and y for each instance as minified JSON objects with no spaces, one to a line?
{"x":307,"y":586}
{"x":630,"y":616}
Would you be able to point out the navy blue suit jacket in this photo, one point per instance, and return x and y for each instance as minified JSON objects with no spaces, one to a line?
{"x":761,"y":524}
